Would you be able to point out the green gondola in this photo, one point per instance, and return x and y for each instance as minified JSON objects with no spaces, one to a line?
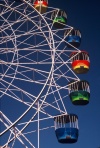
{"x":79,"y":92}
{"x":59,"y":18}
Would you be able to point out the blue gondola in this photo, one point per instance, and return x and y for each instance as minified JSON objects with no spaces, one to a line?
{"x":66,"y":128}
{"x":59,"y":18}
{"x":79,"y":92}
{"x":72,"y":37}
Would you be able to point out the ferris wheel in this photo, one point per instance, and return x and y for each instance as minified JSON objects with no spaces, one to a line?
{"x":39,"y":62}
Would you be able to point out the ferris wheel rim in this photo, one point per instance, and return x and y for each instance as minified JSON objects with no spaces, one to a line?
{"x":50,"y":73}
{"x":52,"y":78}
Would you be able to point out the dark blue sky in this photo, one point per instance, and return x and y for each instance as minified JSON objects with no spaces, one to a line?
{"x":84,"y":15}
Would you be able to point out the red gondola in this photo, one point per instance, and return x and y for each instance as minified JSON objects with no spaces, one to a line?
{"x":80,"y":62}
{"x":41,"y":5}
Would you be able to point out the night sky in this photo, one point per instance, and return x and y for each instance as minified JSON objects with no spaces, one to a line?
{"x":85,"y":16}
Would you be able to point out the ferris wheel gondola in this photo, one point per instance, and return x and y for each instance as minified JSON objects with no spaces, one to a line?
{"x":35,"y":70}
{"x":66,"y":128}
{"x":80,"y":62}
{"x":79,"y":92}
{"x":41,"y":5}
{"x":59,"y":18}
{"x":72,"y":37}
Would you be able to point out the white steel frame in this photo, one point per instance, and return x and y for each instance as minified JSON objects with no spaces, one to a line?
{"x":53,"y":47}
